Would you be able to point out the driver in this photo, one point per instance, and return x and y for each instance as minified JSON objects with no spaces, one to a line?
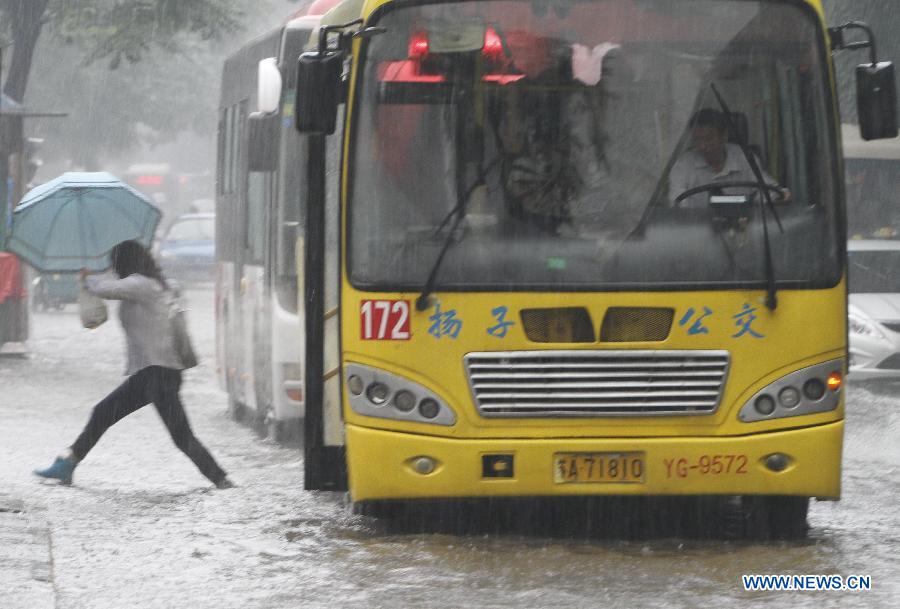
{"x":712,"y":159}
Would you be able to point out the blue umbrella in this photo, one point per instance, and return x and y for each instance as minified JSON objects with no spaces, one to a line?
{"x":73,"y":221}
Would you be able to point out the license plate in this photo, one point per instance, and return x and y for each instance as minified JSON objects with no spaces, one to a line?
{"x":575,"y":468}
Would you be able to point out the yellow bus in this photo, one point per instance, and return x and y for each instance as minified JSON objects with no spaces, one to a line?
{"x":580,"y":247}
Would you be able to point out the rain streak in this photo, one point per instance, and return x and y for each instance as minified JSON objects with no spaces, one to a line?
{"x":482,"y":303}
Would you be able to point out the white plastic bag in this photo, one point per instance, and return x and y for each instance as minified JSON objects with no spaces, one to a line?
{"x":91,"y":308}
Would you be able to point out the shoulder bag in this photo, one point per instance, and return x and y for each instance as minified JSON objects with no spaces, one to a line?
{"x":184,"y":349}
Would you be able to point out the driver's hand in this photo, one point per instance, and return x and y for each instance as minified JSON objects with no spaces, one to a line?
{"x":786,"y":196}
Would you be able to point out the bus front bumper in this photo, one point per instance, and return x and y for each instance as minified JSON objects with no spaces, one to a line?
{"x":383,"y":465}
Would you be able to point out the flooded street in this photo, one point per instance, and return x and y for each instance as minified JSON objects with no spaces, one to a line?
{"x":142,"y":528}
{"x":523,"y":250}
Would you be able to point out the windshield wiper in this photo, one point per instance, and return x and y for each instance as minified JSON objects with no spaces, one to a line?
{"x":771,"y":283}
{"x":459,"y":210}
{"x":662,"y":182}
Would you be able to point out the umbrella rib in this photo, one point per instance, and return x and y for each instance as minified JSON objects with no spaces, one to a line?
{"x":88,"y":227}
{"x":53,"y":223}
{"x":151,"y":221}
{"x":36,"y":256}
{"x":25,"y":251}
{"x":125,"y":210}
{"x":39,"y":254}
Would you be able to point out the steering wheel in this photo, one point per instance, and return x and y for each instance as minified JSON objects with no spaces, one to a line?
{"x":716,"y":185}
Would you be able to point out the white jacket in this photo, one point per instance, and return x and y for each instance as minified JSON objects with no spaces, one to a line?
{"x":144,"y":313}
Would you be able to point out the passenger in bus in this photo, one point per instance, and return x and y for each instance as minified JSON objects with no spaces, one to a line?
{"x":712,"y":158}
{"x":527,"y":120}
{"x":154,"y":367}
{"x":556,"y":173}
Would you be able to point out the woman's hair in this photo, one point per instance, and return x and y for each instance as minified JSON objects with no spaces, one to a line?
{"x":130,"y":257}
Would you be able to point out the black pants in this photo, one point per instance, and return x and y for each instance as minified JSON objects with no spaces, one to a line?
{"x":160,"y":386}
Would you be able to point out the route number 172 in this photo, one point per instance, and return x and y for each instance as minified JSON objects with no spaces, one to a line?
{"x":384,"y":319}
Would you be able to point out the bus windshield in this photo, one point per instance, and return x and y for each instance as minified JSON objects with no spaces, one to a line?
{"x":564,"y":139}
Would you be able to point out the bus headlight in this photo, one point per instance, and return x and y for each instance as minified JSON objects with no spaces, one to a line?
{"x":814,"y":389}
{"x":391,"y":396}
{"x":404,"y":401}
{"x":789,"y":397}
{"x":764,"y":405}
{"x":378,"y":393}
{"x":428,"y":408}
{"x":355,"y":384}
{"x":792,"y":402}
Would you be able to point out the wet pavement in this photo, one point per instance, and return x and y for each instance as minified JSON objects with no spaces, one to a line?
{"x":141,"y":528}
{"x":26,"y":573}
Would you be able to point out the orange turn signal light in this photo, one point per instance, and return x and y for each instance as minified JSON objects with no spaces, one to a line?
{"x":834,"y":381}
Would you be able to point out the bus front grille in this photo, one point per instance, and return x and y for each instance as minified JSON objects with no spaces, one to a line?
{"x":607,"y":383}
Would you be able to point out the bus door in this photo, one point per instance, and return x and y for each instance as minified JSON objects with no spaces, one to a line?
{"x":253,"y":289}
{"x":325,"y":466}
{"x":247,"y":269}
{"x":229,"y":210}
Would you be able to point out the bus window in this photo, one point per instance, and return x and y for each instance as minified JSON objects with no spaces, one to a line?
{"x":291,"y":210}
{"x":575,"y":155}
{"x":221,"y":151}
{"x":259,"y":193}
{"x":228,"y":153}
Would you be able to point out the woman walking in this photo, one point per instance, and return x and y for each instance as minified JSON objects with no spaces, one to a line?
{"x":154,"y":369}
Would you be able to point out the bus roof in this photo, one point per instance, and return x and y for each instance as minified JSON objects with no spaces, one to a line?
{"x":320,"y":7}
{"x":857,"y":148}
{"x":306,"y":22}
{"x":342,"y":12}
{"x":367,"y":7}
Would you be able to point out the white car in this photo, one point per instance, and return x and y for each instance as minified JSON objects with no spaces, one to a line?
{"x":874,"y":312}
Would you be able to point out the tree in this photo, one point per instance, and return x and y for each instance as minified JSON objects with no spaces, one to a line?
{"x":25,"y":20}
{"x":113,"y":29}
{"x":126,"y":71}
{"x":108,"y":29}
{"x":171,"y":91}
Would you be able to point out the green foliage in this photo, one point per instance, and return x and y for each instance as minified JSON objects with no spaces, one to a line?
{"x":166,"y":57}
{"x":137,"y":105}
{"x":117,"y":30}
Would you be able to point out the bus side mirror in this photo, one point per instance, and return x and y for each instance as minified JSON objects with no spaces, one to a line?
{"x":268,"y":86}
{"x":876,"y":90}
{"x":262,"y":144}
{"x":876,"y":100}
{"x":319,"y":82}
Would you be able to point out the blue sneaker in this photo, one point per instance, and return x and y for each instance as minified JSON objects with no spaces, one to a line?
{"x":61,"y":470}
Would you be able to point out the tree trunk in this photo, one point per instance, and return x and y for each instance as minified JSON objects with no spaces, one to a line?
{"x":27,"y":18}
